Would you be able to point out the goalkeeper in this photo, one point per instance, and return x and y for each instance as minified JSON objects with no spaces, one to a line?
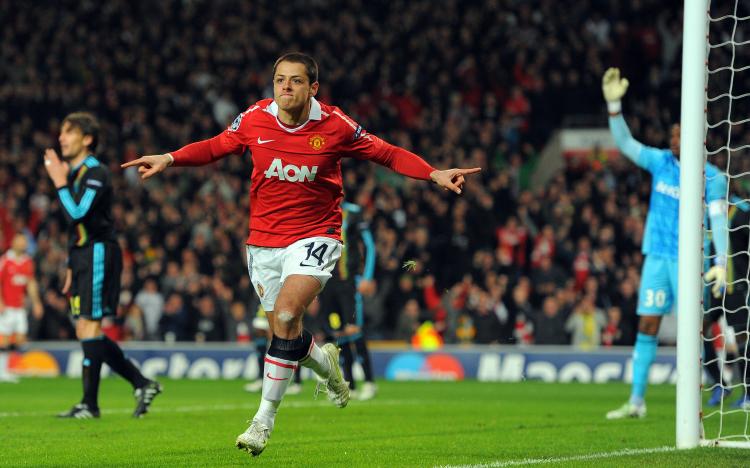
{"x":658,"y":289}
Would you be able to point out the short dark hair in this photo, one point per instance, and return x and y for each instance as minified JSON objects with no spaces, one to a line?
{"x":311,"y":67}
{"x":87,"y":124}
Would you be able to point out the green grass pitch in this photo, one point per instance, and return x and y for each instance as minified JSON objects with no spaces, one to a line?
{"x":194,"y":423}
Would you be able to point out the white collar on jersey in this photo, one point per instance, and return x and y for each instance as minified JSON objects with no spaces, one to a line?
{"x":14,"y":256}
{"x":316,"y":113}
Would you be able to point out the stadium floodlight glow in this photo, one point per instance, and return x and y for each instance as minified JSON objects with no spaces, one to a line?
{"x":715,"y":110}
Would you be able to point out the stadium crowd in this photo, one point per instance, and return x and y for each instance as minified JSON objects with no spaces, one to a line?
{"x":478,"y":84}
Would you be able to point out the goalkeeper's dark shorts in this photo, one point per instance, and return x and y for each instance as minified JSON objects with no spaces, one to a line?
{"x":95,"y":290}
{"x":733,"y":305}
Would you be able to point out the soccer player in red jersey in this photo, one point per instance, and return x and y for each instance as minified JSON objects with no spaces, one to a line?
{"x":297,"y":144}
{"x":16,"y":280}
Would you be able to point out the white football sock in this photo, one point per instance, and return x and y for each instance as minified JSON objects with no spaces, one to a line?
{"x":277,"y":373}
{"x":317,"y":361}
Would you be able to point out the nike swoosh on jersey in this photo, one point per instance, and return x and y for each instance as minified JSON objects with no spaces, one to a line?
{"x":260,"y":142}
{"x":268,"y":374}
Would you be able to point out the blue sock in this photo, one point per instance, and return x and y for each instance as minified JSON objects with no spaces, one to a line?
{"x":643,"y":355}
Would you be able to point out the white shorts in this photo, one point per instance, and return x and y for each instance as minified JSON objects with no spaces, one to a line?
{"x":13,"y":321}
{"x":269,"y":267}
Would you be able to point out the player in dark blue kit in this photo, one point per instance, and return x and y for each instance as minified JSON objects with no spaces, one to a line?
{"x":341,"y":301}
{"x":84,"y":189}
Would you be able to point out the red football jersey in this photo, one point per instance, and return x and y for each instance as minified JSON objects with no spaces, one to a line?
{"x":296,"y":186}
{"x":15,"y":273}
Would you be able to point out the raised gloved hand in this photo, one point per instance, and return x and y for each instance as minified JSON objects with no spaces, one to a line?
{"x":614,"y":88}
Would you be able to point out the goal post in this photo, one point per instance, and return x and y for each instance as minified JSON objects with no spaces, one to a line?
{"x":690,"y":257}
{"x":715,"y":116}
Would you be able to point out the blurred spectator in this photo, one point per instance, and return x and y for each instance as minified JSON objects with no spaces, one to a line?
{"x":404,"y":293}
{"x":173,"y":322}
{"x":408,"y":321}
{"x":521,"y":311}
{"x":209,"y":326}
{"x":544,"y":246}
{"x":585,"y":324}
{"x":582,"y":262}
{"x":547,"y":278}
{"x":512,"y":243}
{"x":549,"y":325}
{"x":239,"y":324}
{"x":485,"y":319}
{"x":433,"y":302}
{"x":612,"y":334}
{"x":134,"y":324}
{"x":151,"y":303}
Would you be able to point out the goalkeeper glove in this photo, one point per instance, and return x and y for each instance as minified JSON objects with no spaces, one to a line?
{"x":614,"y":88}
{"x":718,"y":276}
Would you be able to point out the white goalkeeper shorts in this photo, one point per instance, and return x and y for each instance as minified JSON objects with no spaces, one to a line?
{"x":13,"y":320}
{"x":269,"y":267}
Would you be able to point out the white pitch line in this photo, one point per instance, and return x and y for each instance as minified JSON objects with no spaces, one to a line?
{"x":206,"y":408}
{"x":544,"y":461}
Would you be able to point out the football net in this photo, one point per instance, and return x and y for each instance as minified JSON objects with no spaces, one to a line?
{"x":727,"y":146}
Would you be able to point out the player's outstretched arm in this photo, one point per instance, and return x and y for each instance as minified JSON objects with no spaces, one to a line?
{"x":452,"y":179}
{"x":194,"y":154}
{"x":401,"y":161}
{"x":614,"y":88}
{"x":149,"y":166}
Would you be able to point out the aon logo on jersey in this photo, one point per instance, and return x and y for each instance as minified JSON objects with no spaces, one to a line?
{"x":19,"y":280}
{"x":290,"y":172}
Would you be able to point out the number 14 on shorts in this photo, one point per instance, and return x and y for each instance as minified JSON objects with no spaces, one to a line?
{"x":314,"y":254}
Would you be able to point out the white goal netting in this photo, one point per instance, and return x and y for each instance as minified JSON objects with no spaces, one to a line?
{"x":726,"y":421}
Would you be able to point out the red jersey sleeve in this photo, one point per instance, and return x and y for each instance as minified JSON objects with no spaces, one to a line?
{"x":230,"y":141}
{"x":362,"y":145}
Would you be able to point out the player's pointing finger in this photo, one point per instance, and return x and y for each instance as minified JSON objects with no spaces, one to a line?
{"x":473,"y":170}
{"x":134,"y":162}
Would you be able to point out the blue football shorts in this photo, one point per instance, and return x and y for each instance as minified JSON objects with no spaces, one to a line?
{"x":658,"y":291}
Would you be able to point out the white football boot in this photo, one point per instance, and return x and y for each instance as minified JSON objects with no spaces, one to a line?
{"x":254,"y":439}
{"x":335,"y":386}
{"x":628,"y":410}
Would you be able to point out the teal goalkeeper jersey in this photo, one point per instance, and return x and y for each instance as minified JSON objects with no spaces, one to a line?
{"x":661,"y":233}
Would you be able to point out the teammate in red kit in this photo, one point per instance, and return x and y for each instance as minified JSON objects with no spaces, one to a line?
{"x":16,"y":280}
{"x":297,"y":144}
